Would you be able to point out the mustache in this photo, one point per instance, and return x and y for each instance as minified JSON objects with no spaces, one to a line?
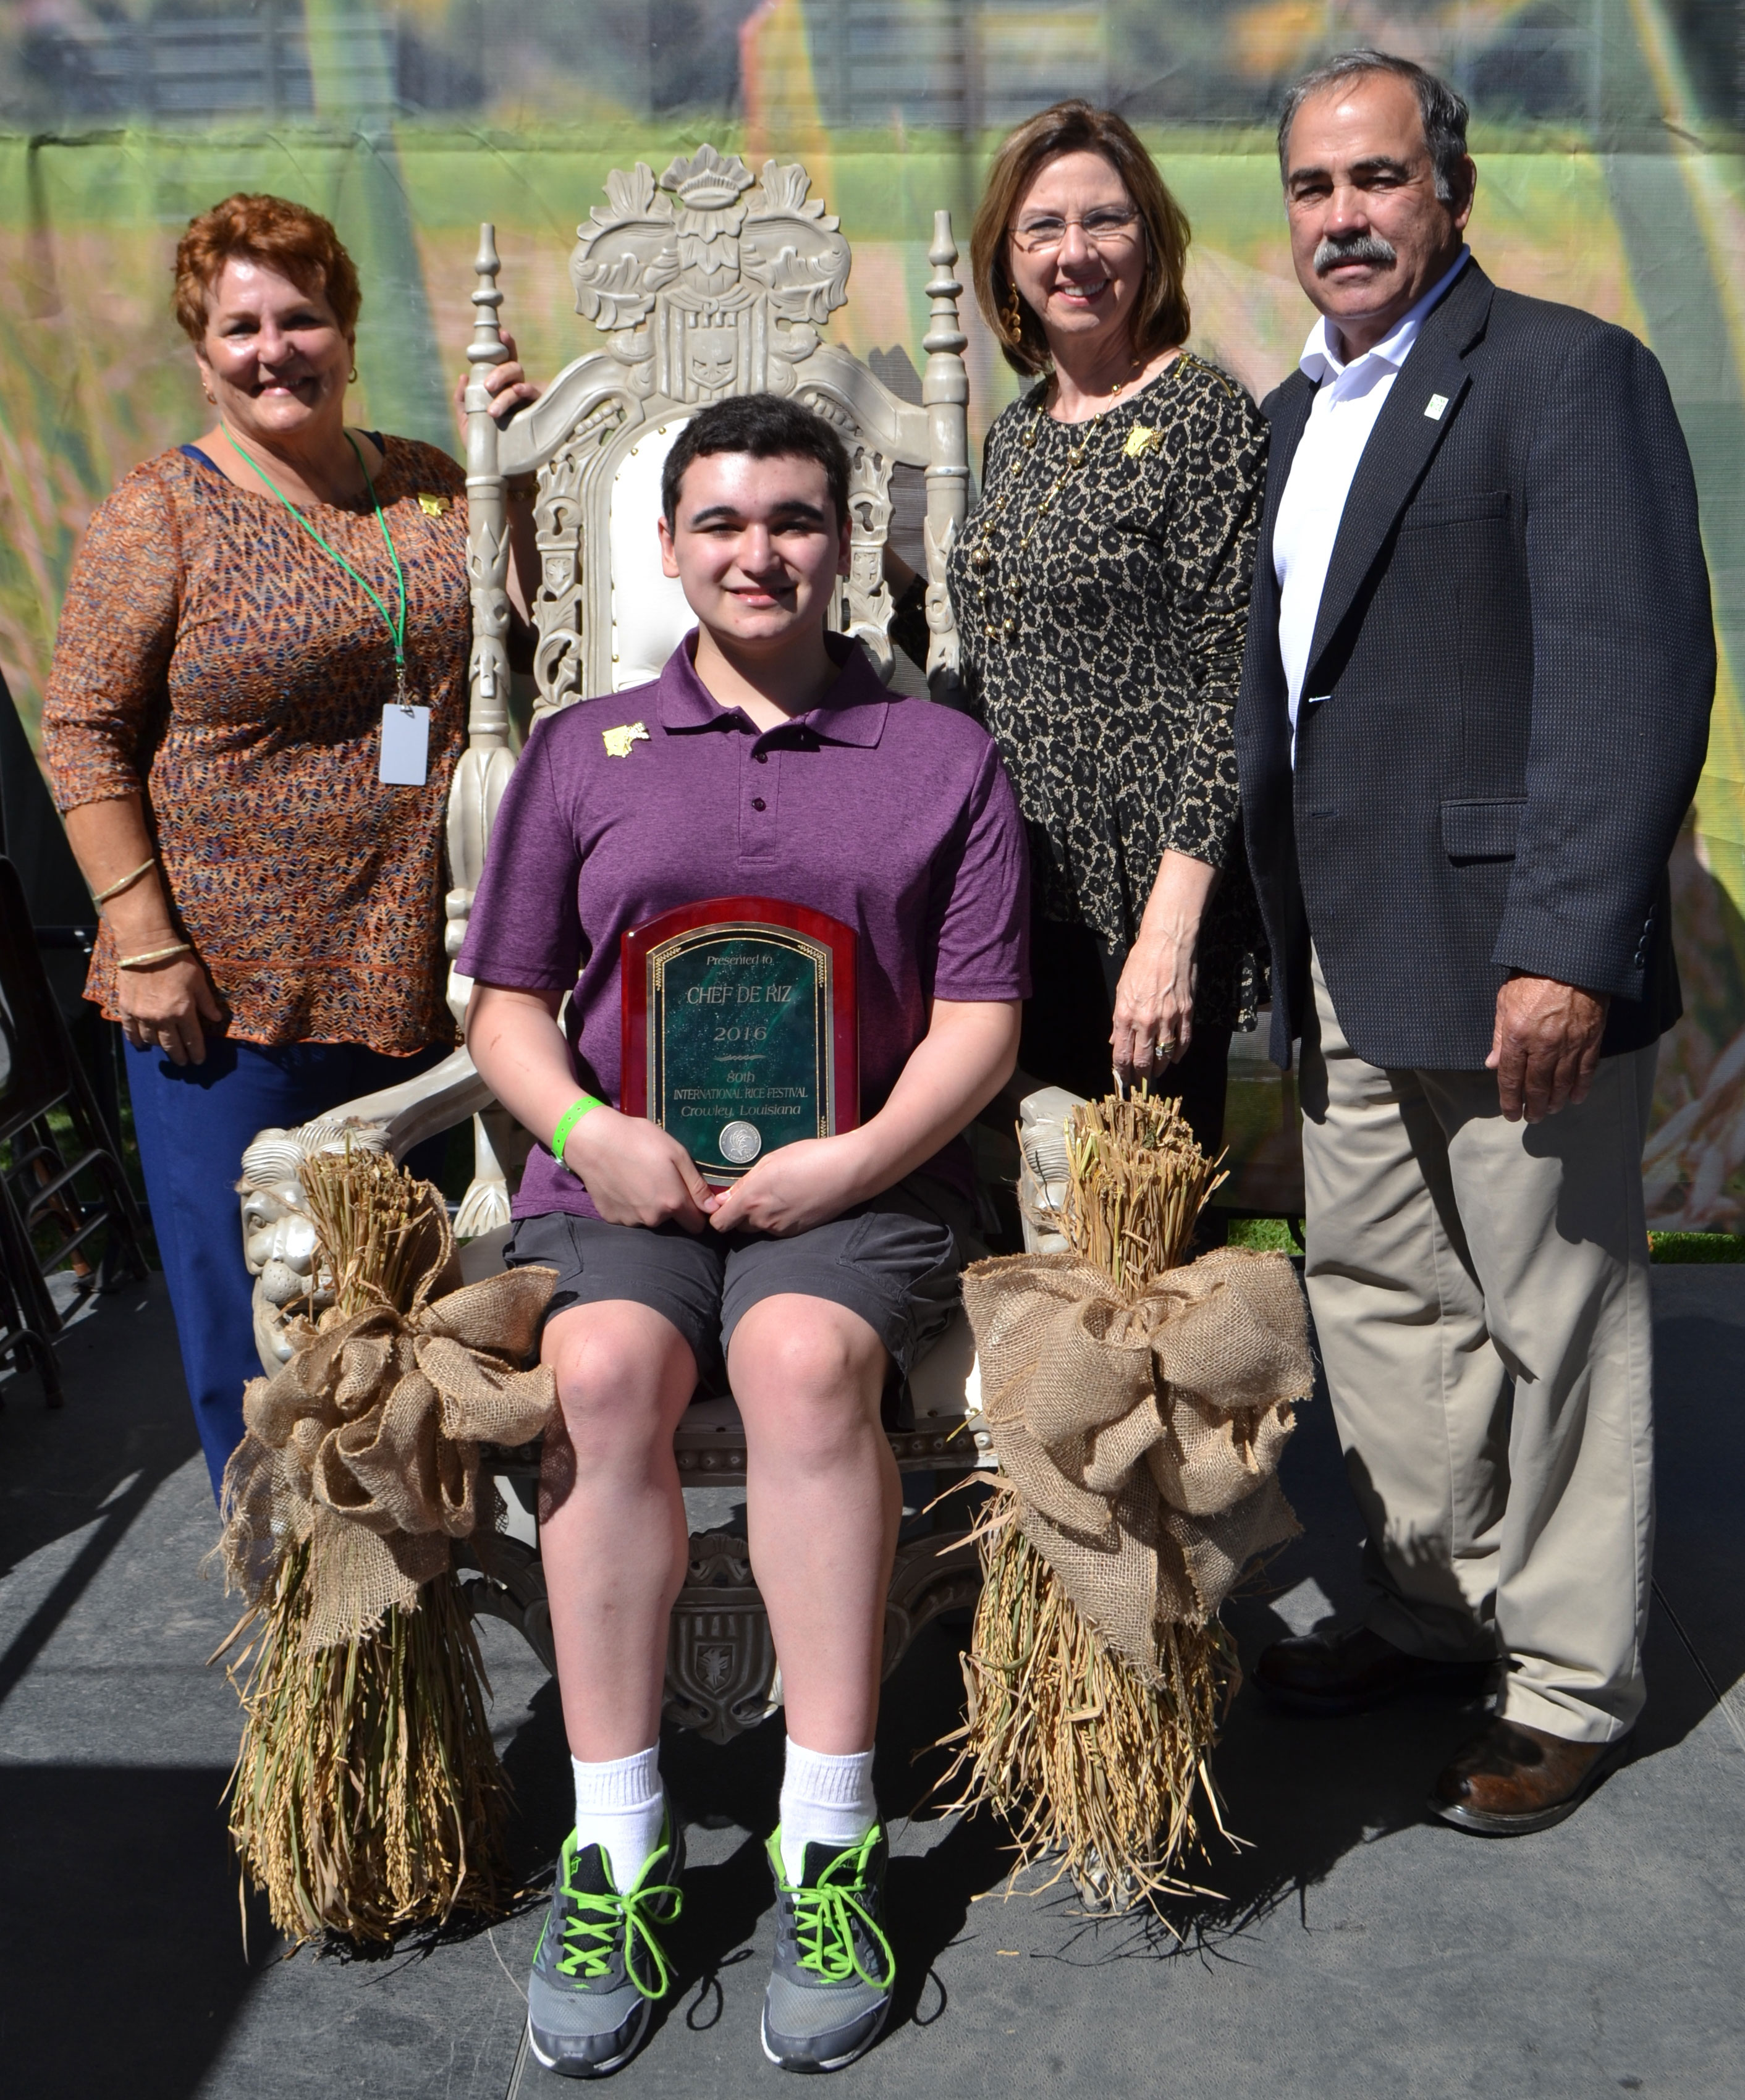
{"x":1339,"y":248}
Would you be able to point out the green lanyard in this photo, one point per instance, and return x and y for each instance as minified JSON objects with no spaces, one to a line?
{"x":396,"y":628}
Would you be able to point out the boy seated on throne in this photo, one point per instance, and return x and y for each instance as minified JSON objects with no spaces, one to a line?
{"x":767,"y":761}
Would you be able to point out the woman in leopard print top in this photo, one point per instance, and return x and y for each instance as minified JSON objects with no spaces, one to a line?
{"x":1100,"y":593}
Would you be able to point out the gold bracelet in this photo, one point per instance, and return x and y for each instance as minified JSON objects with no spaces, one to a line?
{"x":127,"y":881}
{"x":154,"y":956}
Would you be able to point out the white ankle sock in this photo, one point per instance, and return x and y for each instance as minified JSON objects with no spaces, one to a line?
{"x":619,"y":1807}
{"x":825,"y":1801}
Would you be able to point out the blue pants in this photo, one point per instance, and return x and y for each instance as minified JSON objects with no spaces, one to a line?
{"x":192,"y":1123}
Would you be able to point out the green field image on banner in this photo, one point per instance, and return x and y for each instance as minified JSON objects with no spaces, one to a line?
{"x":1610,"y":139}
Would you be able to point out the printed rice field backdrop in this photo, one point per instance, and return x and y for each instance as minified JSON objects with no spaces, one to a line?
{"x":1621,"y":189}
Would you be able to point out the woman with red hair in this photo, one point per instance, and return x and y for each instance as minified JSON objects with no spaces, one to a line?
{"x":258,"y":699}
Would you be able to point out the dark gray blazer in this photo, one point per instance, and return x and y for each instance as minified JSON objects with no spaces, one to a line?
{"x":1518,"y":659}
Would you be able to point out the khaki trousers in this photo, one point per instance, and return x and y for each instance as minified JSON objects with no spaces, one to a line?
{"x":1481,"y":1297}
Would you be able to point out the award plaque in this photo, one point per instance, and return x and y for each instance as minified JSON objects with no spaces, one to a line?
{"x":740,"y":1029}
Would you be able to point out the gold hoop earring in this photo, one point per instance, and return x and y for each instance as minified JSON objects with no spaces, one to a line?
{"x":352,"y":381}
{"x":209,"y":394}
{"x":1012,"y":318}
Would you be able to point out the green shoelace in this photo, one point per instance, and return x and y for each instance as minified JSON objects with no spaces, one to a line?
{"x":597,"y":1925}
{"x":825,"y":1918}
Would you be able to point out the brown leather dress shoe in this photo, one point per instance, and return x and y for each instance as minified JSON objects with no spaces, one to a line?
{"x":1514,"y":1779}
{"x":1345,"y":1672}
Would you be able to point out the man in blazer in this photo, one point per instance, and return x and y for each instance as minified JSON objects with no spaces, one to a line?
{"x":1475,"y":704}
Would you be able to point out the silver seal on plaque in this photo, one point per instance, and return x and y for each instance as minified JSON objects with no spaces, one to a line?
{"x":741,"y":1143}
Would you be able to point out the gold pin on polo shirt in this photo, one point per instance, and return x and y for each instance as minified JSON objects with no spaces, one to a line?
{"x":618,"y":741}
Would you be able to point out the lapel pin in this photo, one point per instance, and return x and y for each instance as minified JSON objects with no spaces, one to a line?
{"x":1142,"y":439}
{"x":618,"y":741}
{"x":433,"y":506}
{"x":1434,"y":406}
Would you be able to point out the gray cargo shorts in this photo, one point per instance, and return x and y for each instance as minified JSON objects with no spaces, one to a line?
{"x":895,"y":1260}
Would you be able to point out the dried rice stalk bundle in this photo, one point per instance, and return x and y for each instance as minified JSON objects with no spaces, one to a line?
{"x":378,"y":1228}
{"x":1138,"y":1409}
{"x":1136,"y":1183}
{"x":1091,"y":1763}
{"x":367,"y":1795}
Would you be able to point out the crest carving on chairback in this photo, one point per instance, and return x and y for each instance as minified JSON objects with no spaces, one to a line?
{"x":702,"y":291}
{"x":707,"y":281}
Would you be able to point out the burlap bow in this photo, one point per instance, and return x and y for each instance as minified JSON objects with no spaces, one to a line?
{"x":367,"y":1445}
{"x":1143,"y":1433}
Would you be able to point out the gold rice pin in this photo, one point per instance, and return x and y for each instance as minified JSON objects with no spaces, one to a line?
{"x":618,"y":741}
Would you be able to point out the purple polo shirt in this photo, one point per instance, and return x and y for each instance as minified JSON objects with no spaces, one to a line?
{"x":893,"y":815}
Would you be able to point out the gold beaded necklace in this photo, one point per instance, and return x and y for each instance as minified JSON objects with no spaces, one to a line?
{"x":982,"y":558}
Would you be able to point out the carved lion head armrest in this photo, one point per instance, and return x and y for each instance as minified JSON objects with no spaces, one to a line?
{"x":278,"y":1235}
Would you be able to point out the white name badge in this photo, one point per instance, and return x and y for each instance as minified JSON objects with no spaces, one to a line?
{"x":405,"y":746}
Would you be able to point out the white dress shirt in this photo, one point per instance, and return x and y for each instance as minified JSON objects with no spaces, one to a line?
{"x":1347,"y":399}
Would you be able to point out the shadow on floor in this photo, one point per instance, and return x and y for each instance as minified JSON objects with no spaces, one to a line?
{"x":61,"y":1466}
{"x":96,"y":1461}
{"x":120,"y":1941}
{"x":1699,"y":1547}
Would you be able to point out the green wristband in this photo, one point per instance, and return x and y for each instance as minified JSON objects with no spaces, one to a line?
{"x":567,"y":1122}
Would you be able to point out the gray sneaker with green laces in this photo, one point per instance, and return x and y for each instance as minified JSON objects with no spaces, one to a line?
{"x":599,"y":1971}
{"x":830,"y":1985}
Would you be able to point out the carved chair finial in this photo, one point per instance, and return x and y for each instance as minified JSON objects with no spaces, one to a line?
{"x":487,"y":346}
{"x":487,"y":538}
{"x":944,"y":334}
{"x":945,"y":392}
{"x":482,"y":772}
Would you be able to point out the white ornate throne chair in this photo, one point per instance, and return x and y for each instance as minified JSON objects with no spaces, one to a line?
{"x":705,"y":282}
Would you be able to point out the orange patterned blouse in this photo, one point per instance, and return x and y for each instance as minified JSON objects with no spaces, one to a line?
{"x":212,"y":658}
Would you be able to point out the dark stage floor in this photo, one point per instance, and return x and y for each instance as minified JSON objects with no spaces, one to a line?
{"x":1357,"y":1951}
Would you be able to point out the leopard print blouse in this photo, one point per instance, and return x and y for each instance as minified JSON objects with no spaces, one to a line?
{"x":212,"y":658}
{"x":1101,"y":590}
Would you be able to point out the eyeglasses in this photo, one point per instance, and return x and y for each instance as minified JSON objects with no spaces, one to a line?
{"x":1106,"y":227}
